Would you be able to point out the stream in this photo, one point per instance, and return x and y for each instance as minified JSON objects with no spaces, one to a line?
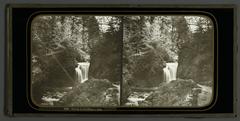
{"x":138,"y":97}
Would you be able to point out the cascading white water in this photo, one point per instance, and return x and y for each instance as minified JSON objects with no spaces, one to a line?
{"x":170,"y":72}
{"x":78,"y":73}
{"x":82,"y":71}
{"x":173,"y":70}
{"x":166,"y":76}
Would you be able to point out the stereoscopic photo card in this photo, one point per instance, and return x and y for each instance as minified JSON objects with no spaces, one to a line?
{"x":121,"y":60}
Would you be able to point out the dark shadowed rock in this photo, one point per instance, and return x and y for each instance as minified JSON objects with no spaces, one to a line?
{"x":173,"y":93}
{"x":106,"y":58}
{"x":94,"y":92}
{"x":196,"y":58}
{"x":196,"y":66}
{"x":147,"y":69}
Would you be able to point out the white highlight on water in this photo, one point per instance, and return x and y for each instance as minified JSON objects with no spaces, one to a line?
{"x":170,"y":72}
{"x":82,"y":71}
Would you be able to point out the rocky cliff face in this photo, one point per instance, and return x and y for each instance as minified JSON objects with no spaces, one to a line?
{"x":196,"y":65}
{"x":106,"y":59}
{"x":147,"y":70}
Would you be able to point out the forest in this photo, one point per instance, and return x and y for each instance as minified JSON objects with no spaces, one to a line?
{"x":101,"y":61}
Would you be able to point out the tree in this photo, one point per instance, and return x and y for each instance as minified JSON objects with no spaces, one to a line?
{"x":143,"y":54}
{"x":106,"y":55}
{"x":57,"y":45}
{"x":196,"y":55}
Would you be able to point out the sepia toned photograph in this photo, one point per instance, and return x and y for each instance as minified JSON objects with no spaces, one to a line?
{"x":76,"y":61}
{"x":168,"y":61}
{"x":122,"y":61}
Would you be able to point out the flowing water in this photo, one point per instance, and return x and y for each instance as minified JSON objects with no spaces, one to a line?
{"x":170,"y":72}
{"x":82,"y":71}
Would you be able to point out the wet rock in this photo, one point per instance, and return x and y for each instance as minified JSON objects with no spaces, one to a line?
{"x":174,"y":93}
{"x":94,"y":92}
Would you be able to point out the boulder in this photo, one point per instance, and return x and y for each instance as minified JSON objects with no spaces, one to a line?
{"x":94,"y":92}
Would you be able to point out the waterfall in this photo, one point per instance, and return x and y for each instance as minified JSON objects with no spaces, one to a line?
{"x":170,"y":72}
{"x":82,"y":71}
{"x":78,"y":73}
{"x":166,"y":76}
